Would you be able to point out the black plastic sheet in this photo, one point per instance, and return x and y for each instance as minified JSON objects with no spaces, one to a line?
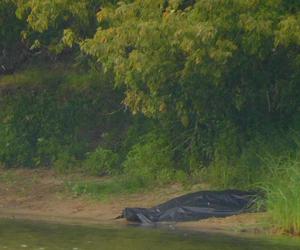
{"x":195,"y":206}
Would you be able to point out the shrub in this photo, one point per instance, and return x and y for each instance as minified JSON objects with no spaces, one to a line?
{"x":48,"y":109}
{"x":65,"y":162}
{"x":101,"y":161}
{"x":150,"y":159}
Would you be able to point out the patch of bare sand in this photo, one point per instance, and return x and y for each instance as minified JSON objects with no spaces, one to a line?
{"x":42,"y":193}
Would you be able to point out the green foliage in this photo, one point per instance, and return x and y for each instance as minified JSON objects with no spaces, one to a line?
{"x":57,"y":24}
{"x":101,"y":162}
{"x":194,"y":65}
{"x":243,"y":165}
{"x":150,"y":159}
{"x":200,"y":66}
{"x":269,"y":163}
{"x":186,"y":60}
{"x":45,"y":116}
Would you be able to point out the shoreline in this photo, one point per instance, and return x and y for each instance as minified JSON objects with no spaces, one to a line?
{"x":212,"y":225}
{"x":41,"y":195}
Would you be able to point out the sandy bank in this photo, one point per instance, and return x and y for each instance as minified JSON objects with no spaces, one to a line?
{"x":42,"y":195}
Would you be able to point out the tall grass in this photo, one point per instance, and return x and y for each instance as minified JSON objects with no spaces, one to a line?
{"x":283,"y":195}
{"x":271,"y":164}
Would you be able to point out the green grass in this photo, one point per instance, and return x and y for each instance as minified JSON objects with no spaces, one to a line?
{"x":283,"y":196}
{"x":103,"y":189}
{"x":40,"y":75}
{"x":273,"y":166}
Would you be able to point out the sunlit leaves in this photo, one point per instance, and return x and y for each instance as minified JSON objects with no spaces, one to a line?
{"x":199,"y":55}
{"x":289,"y":31}
{"x":166,"y":53}
{"x":69,"y":38}
{"x":58,"y":23}
{"x":45,"y":13}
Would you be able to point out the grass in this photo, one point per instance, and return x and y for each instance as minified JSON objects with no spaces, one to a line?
{"x":273,"y":167}
{"x":283,"y":196}
{"x":103,"y":189}
{"x":38,"y":75}
{"x":119,"y":185}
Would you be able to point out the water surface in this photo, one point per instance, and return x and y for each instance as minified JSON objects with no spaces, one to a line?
{"x":41,"y":236}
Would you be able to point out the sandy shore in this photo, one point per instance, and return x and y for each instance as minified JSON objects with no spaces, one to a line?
{"x":42,"y":195}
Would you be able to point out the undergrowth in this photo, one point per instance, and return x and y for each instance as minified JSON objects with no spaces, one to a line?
{"x":271,"y":166}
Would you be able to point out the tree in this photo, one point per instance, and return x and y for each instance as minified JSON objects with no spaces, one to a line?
{"x":204,"y":63}
{"x":56,"y":24}
{"x":200,"y":65}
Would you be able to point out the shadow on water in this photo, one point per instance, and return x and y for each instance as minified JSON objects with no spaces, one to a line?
{"x":41,"y":236}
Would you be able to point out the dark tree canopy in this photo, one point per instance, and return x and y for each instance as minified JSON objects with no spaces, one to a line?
{"x":200,"y":64}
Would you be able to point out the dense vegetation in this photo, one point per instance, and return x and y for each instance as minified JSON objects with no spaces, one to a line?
{"x":156,"y":91}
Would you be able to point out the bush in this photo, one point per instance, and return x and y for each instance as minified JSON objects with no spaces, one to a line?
{"x":65,"y":162}
{"x":101,"y":162}
{"x":47,"y":110}
{"x":150,"y":159}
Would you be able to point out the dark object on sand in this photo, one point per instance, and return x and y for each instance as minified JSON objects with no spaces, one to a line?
{"x":195,"y":206}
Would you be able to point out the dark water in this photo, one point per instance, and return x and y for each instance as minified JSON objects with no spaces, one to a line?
{"x":39,"y":236}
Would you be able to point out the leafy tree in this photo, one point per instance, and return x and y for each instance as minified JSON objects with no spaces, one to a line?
{"x":200,"y":67}
{"x":60,"y":23}
{"x":205,"y":63}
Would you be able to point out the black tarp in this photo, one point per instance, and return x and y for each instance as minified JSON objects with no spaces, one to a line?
{"x":195,"y":206}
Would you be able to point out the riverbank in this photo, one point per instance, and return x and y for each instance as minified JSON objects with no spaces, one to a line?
{"x":43,"y":195}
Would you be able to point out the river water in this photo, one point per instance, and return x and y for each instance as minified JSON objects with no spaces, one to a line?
{"x":42,"y":236}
